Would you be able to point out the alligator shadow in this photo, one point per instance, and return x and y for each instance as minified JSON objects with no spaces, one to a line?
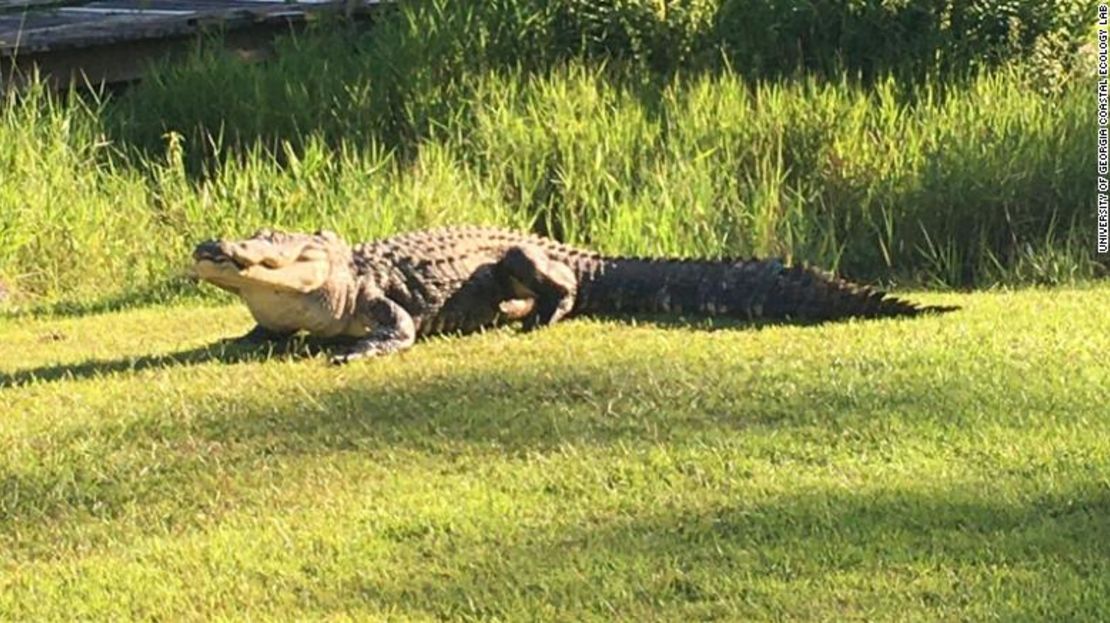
{"x":230,"y":351}
{"x":224,"y":351}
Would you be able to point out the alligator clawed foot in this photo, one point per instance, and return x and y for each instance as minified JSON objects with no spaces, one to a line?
{"x":347,"y":355}
{"x":340,"y":359}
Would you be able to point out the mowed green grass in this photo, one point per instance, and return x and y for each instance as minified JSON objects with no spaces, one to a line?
{"x":952,"y":467}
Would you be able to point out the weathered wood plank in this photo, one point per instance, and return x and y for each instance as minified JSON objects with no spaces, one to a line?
{"x":15,"y":5}
{"x":108,"y":21}
{"x":105,"y":41}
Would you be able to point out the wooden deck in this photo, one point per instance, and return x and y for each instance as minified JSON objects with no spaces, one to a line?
{"x":111,"y":41}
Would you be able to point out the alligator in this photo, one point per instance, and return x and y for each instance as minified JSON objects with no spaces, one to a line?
{"x":379,"y":297}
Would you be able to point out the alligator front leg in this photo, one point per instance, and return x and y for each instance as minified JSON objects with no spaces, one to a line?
{"x":391,"y":330}
{"x":528,"y":273}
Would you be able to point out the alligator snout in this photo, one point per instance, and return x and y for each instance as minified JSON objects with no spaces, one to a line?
{"x":244,"y":253}
{"x":210,"y":250}
{"x":222,"y":251}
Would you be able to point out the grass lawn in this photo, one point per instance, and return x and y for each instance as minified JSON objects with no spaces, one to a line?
{"x":953,"y":467}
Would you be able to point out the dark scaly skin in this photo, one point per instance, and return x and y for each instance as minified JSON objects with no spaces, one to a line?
{"x":448,"y":279}
{"x":389,"y":292}
{"x":748,"y":289}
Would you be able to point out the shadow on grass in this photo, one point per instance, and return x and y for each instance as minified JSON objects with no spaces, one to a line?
{"x":510,"y":408}
{"x":225,"y":351}
{"x":801,"y":555}
{"x":230,"y":351}
{"x":944,"y":548}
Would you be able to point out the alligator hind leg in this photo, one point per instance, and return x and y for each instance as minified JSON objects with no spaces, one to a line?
{"x":527,"y":273}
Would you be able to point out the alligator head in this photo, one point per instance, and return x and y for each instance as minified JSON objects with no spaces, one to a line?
{"x":289,"y":281}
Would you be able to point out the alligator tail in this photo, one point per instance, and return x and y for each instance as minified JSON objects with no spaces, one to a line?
{"x":809,"y":293}
{"x":748,"y":289}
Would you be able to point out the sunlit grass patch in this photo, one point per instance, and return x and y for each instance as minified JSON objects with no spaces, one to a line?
{"x":950,"y":466}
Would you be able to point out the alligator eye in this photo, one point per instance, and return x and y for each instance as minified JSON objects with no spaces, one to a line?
{"x":327,"y":234}
{"x":265,"y":232}
{"x":312,"y":254}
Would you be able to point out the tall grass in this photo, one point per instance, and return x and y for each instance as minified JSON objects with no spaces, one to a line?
{"x":881,"y":183}
{"x":70,"y":217}
{"x":431,"y":119}
{"x":408,"y":72}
